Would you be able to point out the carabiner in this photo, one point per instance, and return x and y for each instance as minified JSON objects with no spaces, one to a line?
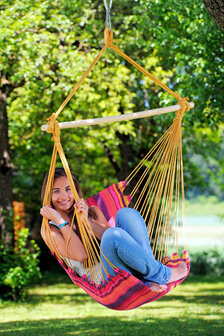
{"x":108,"y":8}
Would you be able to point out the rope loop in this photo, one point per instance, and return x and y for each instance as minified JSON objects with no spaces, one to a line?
{"x":51,"y":123}
{"x":108,"y":36}
{"x":53,"y":127}
{"x":185,"y":106}
{"x":184,"y":103}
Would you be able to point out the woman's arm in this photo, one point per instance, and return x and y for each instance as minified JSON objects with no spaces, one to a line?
{"x":98,"y":224}
{"x":75,"y":249}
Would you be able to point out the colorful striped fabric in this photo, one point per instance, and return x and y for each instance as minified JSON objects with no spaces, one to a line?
{"x":122,"y":291}
{"x":110,"y":200}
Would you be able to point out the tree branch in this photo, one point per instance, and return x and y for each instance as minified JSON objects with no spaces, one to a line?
{"x":112,"y":159}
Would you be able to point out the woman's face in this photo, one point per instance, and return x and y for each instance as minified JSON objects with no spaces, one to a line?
{"x":62,"y":198}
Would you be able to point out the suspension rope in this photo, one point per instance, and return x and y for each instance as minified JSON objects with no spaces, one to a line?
{"x":93,"y":264}
{"x":108,"y":8}
{"x":165,"y":162}
{"x":108,"y":36}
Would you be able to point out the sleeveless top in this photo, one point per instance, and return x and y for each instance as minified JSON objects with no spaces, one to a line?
{"x":78,"y":266}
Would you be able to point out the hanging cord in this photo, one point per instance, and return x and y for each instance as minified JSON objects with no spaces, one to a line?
{"x":108,"y":35}
{"x":108,"y":8}
{"x":94,"y":262}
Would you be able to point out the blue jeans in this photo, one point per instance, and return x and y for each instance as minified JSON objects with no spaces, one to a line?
{"x":127,"y":247}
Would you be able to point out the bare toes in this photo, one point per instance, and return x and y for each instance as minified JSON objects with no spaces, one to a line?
{"x":156,"y":288}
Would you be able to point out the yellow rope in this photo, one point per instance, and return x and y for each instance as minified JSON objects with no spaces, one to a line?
{"x":162,"y":187}
{"x":108,"y":36}
{"x":89,"y":240}
{"x":163,"y":174}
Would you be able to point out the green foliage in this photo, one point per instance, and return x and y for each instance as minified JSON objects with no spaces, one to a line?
{"x":45,"y":47}
{"x":207,"y":262}
{"x":19,"y":268}
{"x":57,"y":307}
{"x":203,"y":205}
{"x":8,"y":215}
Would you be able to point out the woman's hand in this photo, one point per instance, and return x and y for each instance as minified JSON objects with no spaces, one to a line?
{"x":82,"y":206}
{"x":51,"y":214}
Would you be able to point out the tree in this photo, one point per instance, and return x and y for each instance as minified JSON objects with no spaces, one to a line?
{"x":45,"y":48}
{"x":5,"y":167}
{"x":216,"y":10}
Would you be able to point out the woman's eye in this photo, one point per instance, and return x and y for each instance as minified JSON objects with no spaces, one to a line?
{"x":56,"y":191}
{"x":68,"y":189}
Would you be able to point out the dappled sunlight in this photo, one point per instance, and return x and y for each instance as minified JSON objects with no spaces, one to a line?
{"x":64,"y":309}
{"x":113,"y":326}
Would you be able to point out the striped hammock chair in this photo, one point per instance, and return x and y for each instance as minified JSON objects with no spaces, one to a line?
{"x":158,"y":196}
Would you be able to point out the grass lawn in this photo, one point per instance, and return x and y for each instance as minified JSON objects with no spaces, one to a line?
{"x":203,"y":205}
{"x":57,"y":307}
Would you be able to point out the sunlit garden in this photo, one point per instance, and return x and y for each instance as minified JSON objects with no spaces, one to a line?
{"x":153,"y":89}
{"x":57,"y":307}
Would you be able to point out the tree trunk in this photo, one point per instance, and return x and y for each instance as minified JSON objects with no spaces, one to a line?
{"x":6,"y":197}
{"x":216,"y":10}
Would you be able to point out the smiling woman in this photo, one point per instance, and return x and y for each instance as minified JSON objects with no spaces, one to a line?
{"x":125,"y":246}
{"x":60,"y":214}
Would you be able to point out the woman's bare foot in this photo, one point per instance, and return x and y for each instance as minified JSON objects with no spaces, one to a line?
{"x":156,"y":288}
{"x":178,"y":272}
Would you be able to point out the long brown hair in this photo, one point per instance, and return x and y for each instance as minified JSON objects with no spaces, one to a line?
{"x":59,"y":171}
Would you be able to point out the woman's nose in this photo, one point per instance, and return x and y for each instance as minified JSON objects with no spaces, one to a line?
{"x":62,"y":195}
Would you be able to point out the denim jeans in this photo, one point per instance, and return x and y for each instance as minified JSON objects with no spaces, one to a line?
{"x":127,"y":247}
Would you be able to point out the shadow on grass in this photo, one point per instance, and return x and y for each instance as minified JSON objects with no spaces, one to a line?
{"x":119,"y":325}
{"x":79,"y":298}
{"x":204,"y":298}
{"x":110,"y":326}
{"x":209,"y":278}
{"x":70,"y":293}
{"x":83,"y":298}
{"x":67,"y":292}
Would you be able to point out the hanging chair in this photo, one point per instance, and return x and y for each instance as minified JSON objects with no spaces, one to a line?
{"x":158,"y":196}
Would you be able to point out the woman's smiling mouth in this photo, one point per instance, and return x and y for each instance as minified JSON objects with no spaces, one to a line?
{"x":64,"y":202}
